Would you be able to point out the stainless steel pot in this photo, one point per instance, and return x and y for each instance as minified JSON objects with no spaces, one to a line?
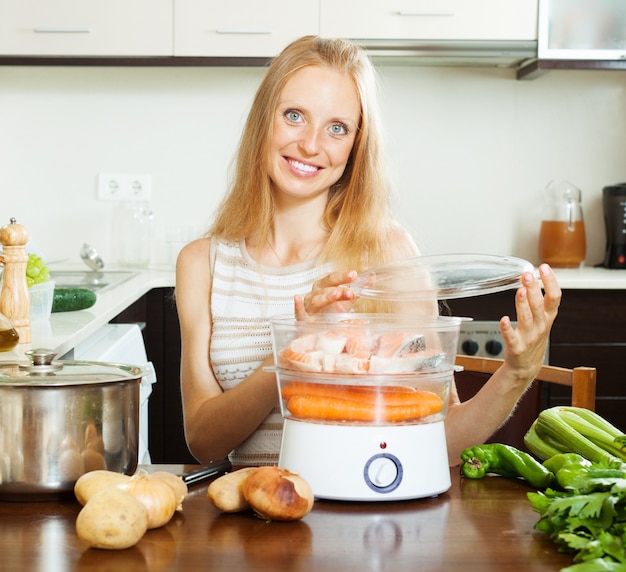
{"x":61,"y":419}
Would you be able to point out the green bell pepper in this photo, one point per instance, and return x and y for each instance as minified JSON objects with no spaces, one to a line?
{"x":506,"y":461}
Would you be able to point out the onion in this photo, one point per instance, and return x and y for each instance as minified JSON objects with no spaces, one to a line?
{"x":177,"y":484}
{"x":155,"y":494}
{"x":278,"y":494}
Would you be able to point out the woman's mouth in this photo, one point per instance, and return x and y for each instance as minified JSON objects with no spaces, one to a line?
{"x":302,"y":167}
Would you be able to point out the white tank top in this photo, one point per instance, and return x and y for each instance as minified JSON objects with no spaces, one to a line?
{"x":244,"y":298}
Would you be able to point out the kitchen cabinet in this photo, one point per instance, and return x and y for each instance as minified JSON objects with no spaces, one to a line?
{"x":429,"y":19}
{"x":162,"y":340}
{"x":86,"y":28}
{"x":588,"y":331}
{"x":245,"y":32}
{"x":241,"y":28}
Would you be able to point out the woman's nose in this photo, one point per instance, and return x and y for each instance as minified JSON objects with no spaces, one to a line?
{"x":310,"y":140}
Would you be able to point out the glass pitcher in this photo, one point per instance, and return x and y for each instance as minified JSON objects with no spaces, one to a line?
{"x":562,"y":242}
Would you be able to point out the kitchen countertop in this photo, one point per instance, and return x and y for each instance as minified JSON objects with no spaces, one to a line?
{"x":591,"y":278}
{"x":65,"y":330}
{"x":477,"y":525}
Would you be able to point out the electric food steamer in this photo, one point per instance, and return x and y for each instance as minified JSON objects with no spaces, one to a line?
{"x":364,"y":396}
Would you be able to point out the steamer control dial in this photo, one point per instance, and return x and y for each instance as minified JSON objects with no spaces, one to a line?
{"x":383,"y":473}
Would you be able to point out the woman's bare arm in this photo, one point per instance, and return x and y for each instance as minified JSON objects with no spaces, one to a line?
{"x":215,"y":421}
{"x":475,"y":420}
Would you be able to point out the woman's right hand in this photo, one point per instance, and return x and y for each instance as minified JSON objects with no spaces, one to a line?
{"x":328,"y":294}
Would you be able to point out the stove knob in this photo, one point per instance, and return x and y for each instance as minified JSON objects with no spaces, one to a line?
{"x":470,"y":347}
{"x":493,"y":347}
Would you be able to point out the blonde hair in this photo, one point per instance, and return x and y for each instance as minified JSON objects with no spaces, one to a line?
{"x":357,"y":213}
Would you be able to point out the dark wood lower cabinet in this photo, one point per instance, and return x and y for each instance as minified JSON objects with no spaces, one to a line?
{"x":166,"y":438}
{"x":590,"y":330}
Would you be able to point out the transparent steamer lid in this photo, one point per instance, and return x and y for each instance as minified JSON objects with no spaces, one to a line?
{"x":444,"y":276}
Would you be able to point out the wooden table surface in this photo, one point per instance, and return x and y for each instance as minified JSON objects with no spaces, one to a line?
{"x":478,"y":525}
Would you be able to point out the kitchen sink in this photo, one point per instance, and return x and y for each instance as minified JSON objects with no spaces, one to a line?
{"x":96,"y":280}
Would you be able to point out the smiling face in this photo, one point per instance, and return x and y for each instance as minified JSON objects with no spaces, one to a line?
{"x":315,"y":126}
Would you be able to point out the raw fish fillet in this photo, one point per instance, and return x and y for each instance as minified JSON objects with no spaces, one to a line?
{"x":396,"y":344}
{"x":332,"y":342}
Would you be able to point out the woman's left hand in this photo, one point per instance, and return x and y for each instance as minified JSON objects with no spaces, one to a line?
{"x":328,"y":294}
{"x":525,"y":345}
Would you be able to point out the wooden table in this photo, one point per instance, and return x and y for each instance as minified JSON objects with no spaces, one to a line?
{"x":478,"y":525}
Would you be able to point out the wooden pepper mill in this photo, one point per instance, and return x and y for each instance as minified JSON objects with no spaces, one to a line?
{"x":14,"y":296}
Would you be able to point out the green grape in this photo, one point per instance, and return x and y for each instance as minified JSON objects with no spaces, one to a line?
{"x":36,"y":271}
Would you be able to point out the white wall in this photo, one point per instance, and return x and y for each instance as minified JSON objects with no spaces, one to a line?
{"x":471,"y":149}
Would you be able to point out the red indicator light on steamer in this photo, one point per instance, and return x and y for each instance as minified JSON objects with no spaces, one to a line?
{"x":383,"y":445}
{"x":620,"y":259}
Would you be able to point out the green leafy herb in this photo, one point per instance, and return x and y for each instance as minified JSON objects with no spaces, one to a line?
{"x":588,"y":519}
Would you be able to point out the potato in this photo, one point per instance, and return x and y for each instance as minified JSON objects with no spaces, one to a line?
{"x":90,"y":483}
{"x":226,"y":492}
{"x":112,"y":519}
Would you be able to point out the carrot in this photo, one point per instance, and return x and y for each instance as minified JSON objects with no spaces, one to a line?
{"x":383,"y":394}
{"x":335,"y":409}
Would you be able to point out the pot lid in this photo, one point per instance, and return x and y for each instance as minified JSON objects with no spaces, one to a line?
{"x":443,"y":276}
{"x":42,"y":370}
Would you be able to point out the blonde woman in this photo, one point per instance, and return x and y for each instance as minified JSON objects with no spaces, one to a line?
{"x":309,"y":199}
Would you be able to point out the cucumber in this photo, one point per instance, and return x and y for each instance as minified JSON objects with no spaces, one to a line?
{"x":71,"y":299}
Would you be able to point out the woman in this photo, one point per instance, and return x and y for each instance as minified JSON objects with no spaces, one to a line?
{"x":309,"y":199}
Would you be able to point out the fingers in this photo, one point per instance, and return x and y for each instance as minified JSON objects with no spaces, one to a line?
{"x":536,"y":313}
{"x":299,"y":310}
{"x":327,"y":294}
{"x":338,"y":299}
{"x":335,"y":279}
{"x":553,"y":294}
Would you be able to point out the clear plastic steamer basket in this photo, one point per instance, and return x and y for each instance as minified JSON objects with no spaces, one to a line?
{"x":368,"y":369}
{"x":381,"y":362}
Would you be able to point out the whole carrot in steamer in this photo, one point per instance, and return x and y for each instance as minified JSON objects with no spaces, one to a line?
{"x":334,"y":409}
{"x":383,"y":395}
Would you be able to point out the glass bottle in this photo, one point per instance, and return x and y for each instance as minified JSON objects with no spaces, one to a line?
{"x":134,"y":223}
{"x":9,"y":337}
{"x":562,"y":242}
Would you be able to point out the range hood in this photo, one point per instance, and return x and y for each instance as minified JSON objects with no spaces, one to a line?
{"x":578,"y":35}
{"x":457,"y":53}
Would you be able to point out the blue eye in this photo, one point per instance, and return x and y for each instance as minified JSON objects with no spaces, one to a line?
{"x":339,"y":129}
{"x":293,"y":115}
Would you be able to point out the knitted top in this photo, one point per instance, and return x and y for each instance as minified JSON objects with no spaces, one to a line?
{"x":244,"y":296}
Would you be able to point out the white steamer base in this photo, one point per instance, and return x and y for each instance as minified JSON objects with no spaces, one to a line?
{"x":367,"y":463}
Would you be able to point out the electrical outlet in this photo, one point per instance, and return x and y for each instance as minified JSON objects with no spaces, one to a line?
{"x":124,"y":187}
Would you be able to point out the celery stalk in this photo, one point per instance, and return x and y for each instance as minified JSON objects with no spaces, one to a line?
{"x":550,"y":423}
{"x":593,"y":432}
{"x":594,"y":418}
{"x":541,"y":448}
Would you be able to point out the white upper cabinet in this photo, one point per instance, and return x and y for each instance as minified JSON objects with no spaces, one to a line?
{"x":241,"y":28}
{"x":86,"y":27}
{"x":253,"y":28}
{"x":429,"y":19}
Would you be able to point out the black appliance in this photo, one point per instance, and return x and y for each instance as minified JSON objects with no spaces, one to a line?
{"x":614,"y":203}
